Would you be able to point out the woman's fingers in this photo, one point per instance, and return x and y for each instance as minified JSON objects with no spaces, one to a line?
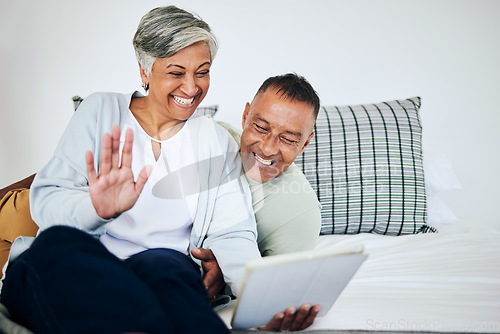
{"x":106,"y":149}
{"x":110,"y":150}
{"x":115,"y":146}
{"x":112,"y":188}
{"x":142,"y":178}
{"x":89,"y":158}
{"x":127,"y":149}
{"x":110,"y":157}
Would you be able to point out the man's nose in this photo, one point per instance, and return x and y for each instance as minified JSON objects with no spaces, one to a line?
{"x":269,"y":145}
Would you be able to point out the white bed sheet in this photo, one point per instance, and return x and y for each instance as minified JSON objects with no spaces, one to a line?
{"x":444,"y":282}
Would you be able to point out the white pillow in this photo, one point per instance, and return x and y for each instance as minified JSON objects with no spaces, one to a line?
{"x":439,"y":177}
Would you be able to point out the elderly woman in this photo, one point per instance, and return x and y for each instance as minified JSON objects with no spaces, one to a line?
{"x":117,"y":223}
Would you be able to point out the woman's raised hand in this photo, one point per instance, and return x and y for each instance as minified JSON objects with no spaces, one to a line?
{"x":114,"y":190}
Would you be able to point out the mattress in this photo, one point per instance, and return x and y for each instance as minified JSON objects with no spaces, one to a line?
{"x":438,"y":282}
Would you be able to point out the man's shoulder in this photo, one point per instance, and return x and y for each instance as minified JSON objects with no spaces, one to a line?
{"x":235,"y":133}
{"x":210,"y":140}
{"x":292,"y":174}
{"x":287,"y":212}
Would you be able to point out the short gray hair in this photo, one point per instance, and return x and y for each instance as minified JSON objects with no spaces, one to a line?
{"x":163,"y":31}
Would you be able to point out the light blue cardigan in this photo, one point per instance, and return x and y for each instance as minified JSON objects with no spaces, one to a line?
{"x":224,"y":221}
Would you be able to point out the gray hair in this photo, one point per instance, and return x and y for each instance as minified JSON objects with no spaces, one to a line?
{"x":163,"y":31}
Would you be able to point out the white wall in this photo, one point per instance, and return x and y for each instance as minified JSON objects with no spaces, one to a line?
{"x":352,"y":51}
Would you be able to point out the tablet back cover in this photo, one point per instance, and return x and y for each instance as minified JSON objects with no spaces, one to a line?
{"x":275,"y":283}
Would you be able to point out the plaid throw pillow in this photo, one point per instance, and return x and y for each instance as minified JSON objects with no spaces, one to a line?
{"x":208,"y":111}
{"x":365,"y":164}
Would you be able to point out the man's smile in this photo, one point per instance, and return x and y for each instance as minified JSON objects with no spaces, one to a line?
{"x":263,"y":161}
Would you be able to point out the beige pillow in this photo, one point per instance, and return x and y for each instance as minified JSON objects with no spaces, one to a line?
{"x":15,"y":220}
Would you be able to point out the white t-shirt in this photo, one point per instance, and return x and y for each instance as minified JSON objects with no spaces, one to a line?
{"x":163,"y":215}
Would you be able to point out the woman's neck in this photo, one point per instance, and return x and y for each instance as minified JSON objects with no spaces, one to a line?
{"x":152,"y":120}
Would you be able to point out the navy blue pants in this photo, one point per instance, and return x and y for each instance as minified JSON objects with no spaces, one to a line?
{"x":68,"y":282}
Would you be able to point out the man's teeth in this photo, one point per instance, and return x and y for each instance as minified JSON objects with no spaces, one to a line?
{"x":184,"y":101}
{"x":262,"y":161}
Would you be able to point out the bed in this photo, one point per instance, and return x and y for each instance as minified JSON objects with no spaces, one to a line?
{"x":440,"y":282}
{"x":426,"y":271}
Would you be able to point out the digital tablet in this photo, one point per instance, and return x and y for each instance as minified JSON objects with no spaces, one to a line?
{"x":274,"y":283}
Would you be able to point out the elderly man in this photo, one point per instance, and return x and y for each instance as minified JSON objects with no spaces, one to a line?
{"x":277,"y":127}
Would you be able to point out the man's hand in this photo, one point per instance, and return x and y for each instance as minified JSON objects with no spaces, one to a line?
{"x":212,"y":274}
{"x":289,"y":320}
{"x":114,"y":190}
{"x":292,"y":320}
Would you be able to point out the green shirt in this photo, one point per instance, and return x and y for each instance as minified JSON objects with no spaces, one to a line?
{"x":287,"y":211}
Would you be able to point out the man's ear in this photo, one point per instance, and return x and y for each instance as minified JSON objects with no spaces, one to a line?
{"x":306,"y":143}
{"x":245,"y":114}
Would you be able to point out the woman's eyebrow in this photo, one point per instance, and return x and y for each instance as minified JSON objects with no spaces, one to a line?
{"x":182,"y":67}
{"x":205,"y":63}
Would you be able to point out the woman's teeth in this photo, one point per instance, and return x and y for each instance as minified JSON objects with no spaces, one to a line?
{"x":262,"y":161}
{"x":183,"y":101}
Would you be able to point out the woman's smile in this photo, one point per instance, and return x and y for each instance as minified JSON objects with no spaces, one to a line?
{"x":183,"y":102}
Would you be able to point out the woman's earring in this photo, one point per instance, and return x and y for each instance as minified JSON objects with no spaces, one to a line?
{"x":145,"y":86}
